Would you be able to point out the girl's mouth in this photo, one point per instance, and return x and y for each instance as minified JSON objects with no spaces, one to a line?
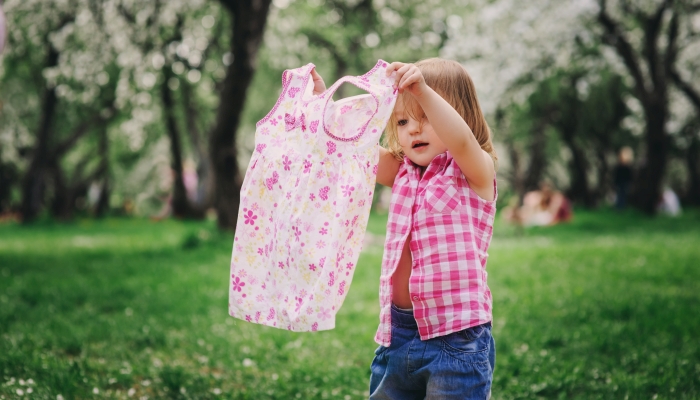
{"x":416,"y":145}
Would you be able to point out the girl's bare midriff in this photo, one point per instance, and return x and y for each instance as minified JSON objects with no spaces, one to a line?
{"x":401,"y":296}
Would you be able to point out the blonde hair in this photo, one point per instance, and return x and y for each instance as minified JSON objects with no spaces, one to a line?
{"x":452,"y":82}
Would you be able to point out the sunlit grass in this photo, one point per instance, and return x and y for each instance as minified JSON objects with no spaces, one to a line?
{"x":605,"y":307}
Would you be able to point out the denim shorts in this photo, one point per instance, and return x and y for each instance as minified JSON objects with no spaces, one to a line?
{"x":455,"y":366}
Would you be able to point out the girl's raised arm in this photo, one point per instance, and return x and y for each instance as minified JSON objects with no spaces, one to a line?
{"x":387,"y":168}
{"x":476,"y":164}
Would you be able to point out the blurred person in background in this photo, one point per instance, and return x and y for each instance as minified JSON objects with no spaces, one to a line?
{"x":669,"y":203}
{"x":622,"y":176}
{"x":546,"y":206}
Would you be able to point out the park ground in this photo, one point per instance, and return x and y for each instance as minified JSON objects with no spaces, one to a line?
{"x":604,"y":307}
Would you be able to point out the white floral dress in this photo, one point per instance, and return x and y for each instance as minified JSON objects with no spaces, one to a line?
{"x":305,"y":201}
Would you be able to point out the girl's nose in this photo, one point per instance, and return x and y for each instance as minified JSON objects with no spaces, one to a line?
{"x":414,"y":126}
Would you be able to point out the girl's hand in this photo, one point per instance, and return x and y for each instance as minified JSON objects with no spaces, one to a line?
{"x":319,"y":85}
{"x":408,"y":77}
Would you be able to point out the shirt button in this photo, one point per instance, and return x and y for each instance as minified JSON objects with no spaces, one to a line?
{"x":415,"y":298}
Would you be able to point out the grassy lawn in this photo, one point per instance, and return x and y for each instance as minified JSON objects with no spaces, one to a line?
{"x":605,"y":307}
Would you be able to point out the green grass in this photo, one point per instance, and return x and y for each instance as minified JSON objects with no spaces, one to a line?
{"x":605,"y":307}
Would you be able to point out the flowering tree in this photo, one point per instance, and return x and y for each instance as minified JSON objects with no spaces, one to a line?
{"x":249,"y":18}
{"x":509,"y":47}
{"x":650,"y":54}
{"x":57,"y":77}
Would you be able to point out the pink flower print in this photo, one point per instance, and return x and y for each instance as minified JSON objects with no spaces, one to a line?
{"x":320,"y":244}
{"x":312,"y":267}
{"x":293,"y":91}
{"x":280,"y":264}
{"x":341,"y":288}
{"x":345,"y":109}
{"x":257,"y":316}
{"x":324,"y":314}
{"x":271,"y":315}
{"x":347,"y":222}
{"x":319,"y":174}
{"x":313,"y":126}
{"x":288,"y":195}
{"x":297,"y":232}
{"x":314,"y":327}
{"x":331,"y":279}
{"x":298,"y":304}
{"x":248,"y":318}
{"x":307,"y":166}
{"x":260,"y":251}
{"x":237,"y":283}
{"x":289,"y":121}
{"x":347,"y":190}
{"x":331,"y":147}
{"x":349,"y":266}
{"x":308,"y":226}
{"x":323,"y":231}
{"x":323,"y":192}
{"x":354,"y":220}
{"x":249,"y":216}
{"x":260,"y":147}
{"x":273,"y":122}
{"x":287,"y":163}
{"x":333,"y":177}
{"x":312,"y":197}
{"x":374,"y":170}
{"x":277,"y":140}
{"x":322,"y":261}
{"x":361,"y":203}
{"x":265,"y":131}
{"x":270,"y":182}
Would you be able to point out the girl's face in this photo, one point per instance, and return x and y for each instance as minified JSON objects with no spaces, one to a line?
{"x":417,"y":138}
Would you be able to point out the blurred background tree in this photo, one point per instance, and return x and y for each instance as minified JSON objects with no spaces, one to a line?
{"x":148,"y":107}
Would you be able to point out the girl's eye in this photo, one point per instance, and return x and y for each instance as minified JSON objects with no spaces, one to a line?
{"x":403,"y":122}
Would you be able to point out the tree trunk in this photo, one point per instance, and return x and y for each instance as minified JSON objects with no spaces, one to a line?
{"x":579,"y":190}
{"x":603,"y":181}
{"x":249,"y":17}
{"x":692,"y":158}
{"x":204,"y":181}
{"x":102,"y":203}
{"x":181,"y":207}
{"x":538,"y":160}
{"x":34,"y":182}
{"x":647,"y":185}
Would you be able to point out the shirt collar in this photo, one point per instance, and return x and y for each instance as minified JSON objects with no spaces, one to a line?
{"x":438,"y":161}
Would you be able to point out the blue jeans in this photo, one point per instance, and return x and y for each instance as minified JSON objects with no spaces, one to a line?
{"x":455,"y":366}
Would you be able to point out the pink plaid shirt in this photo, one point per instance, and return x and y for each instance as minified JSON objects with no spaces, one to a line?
{"x":450,"y":227}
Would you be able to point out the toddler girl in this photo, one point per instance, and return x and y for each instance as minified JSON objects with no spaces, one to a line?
{"x":435,"y":319}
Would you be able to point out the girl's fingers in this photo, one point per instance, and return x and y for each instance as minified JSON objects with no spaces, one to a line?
{"x":393,"y":67}
{"x":401,"y":73}
{"x":409,"y":78}
{"x":319,"y":85}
